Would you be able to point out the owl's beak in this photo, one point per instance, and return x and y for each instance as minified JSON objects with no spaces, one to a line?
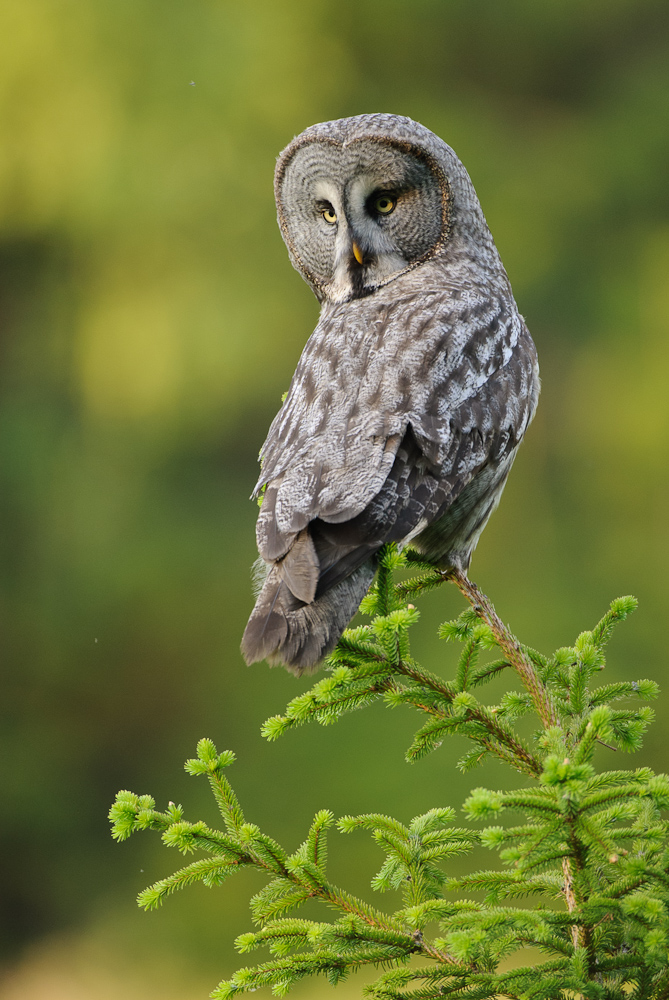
{"x":357,"y":252}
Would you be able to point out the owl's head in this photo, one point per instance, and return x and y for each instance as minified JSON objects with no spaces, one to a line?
{"x":362,"y":200}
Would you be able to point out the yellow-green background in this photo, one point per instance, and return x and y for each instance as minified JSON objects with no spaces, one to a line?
{"x":150,"y":323}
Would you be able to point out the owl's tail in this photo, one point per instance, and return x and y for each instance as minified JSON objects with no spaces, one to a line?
{"x":285,"y":630}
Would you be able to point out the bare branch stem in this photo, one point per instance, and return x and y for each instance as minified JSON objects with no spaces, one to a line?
{"x":506,"y":640}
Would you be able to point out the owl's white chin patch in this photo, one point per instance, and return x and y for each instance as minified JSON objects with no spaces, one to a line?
{"x":340,"y":288}
{"x":344,"y":287}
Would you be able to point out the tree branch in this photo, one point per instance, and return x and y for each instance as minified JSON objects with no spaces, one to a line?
{"x":506,"y":640}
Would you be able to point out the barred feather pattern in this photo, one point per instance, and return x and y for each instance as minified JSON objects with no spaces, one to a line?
{"x":401,"y":423}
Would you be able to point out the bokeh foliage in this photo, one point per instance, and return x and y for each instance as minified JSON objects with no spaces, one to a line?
{"x":151,"y":321}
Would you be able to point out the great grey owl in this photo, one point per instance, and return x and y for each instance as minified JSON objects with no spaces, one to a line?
{"x":412,"y":394}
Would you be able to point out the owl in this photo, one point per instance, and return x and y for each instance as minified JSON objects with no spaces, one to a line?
{"x":412,"y":394}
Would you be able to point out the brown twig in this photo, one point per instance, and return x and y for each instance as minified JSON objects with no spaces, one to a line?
{"x":577,"y":933}
{"x":506,"y":640}
{"x":543,"y":705}
{"x":522,"y":757}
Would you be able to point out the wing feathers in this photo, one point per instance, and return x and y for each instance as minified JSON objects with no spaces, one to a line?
{"x":299,"y":568}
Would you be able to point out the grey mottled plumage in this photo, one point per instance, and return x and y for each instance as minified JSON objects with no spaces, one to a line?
{"x":411,"y":396}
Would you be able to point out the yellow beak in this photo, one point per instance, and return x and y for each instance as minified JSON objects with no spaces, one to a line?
{"x":357,"y":252}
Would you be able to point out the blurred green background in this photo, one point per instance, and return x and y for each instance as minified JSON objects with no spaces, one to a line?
{"x":150,"y":323}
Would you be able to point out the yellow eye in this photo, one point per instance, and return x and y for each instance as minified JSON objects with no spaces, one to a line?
{"x":330,"y":215}
{"x":384,"y":204}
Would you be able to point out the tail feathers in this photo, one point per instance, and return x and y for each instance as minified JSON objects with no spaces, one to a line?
{"x":285,"y":630}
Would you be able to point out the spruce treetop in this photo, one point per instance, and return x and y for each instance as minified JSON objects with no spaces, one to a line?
{"x":582,"y":873}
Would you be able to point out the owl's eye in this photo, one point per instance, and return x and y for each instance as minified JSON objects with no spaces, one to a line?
{"x":329,"y":215}
{"x":384,"y":204}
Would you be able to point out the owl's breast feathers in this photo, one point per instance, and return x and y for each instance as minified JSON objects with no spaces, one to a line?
{"x":461,"y":378}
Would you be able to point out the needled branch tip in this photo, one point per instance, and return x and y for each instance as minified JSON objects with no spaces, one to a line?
{"x":582,"y":870}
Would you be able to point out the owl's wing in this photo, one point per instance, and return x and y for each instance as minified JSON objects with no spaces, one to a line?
{"x":456,"y":494}
{"x":392,"y":412}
